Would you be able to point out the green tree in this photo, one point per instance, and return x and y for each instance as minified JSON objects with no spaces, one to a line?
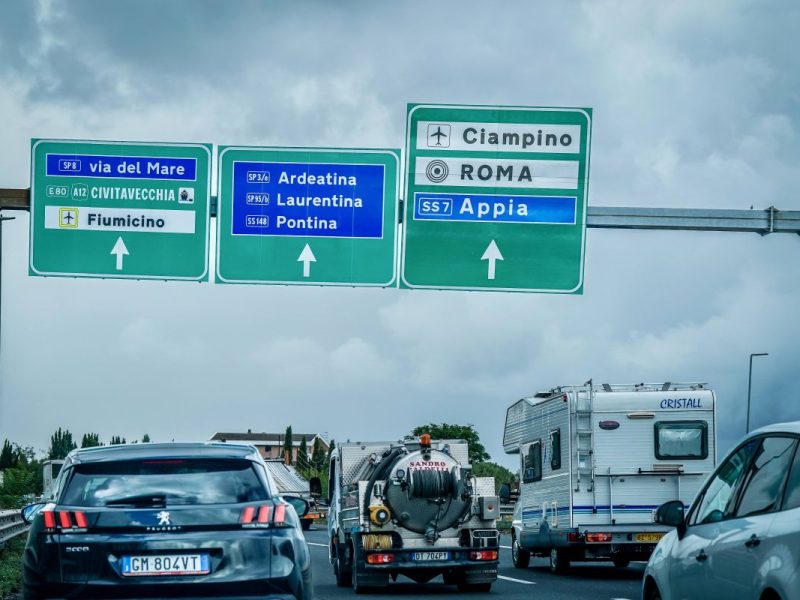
{"x":90,"y":440}
{"x":287,"y":445}
{"x":61,"y":444}
{"x":8,"y":457}
{"x":116,"y":440}
{"x":445,"y":431}
{"x":302,"y":453}
{"x":17,"y":484}
{"x":145,"y":439}
{"x":331,"y":448}
{"x":499,"y":472}
{"x":318,"y":456}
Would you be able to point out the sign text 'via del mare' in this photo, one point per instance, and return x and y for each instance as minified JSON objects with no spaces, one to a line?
{"x":496,"y":198}
{"x":120,"y":209}
{"x":307,"y":216}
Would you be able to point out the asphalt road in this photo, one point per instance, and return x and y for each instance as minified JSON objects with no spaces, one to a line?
{"x":595,"y":581}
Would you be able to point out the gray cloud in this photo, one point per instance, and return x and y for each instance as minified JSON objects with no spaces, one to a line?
{"x":695,"y":105}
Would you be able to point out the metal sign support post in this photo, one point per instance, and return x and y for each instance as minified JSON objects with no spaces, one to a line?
{"x":2,"y":218}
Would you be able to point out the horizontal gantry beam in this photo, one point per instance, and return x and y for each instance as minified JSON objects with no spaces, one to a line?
{"x":761,"y":221}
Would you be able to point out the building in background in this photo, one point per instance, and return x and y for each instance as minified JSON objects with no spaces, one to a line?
{"x":270,"y":445}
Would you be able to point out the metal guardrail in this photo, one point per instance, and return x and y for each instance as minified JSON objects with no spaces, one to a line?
{"x":11,"y":525}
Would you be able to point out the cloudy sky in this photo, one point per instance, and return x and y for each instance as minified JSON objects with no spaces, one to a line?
{"x":696,"y":104}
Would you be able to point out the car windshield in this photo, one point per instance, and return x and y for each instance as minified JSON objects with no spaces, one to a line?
{"x":132,"y":484}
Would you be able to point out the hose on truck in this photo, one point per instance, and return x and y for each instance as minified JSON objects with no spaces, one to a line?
{"x":379,"y":473}
{"x":432,"y":484}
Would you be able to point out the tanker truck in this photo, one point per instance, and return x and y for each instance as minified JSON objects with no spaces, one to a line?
{"x":411,"y":508}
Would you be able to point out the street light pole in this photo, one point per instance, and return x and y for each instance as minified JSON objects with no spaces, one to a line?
{"x":750,"y":385}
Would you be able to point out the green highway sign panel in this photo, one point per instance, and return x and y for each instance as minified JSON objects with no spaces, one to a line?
{"x":307,"y":216}
{"x":495,"y":198}
{"x":120,"y":209}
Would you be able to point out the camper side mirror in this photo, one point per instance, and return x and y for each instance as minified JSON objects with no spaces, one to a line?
{"x":315,"y":487}
{"x":505,"y":493}
{"x":671,"y":514}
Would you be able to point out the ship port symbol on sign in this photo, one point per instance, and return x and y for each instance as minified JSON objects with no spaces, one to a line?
{"x":496,"y":198}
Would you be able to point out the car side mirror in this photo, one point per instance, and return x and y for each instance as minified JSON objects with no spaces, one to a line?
{"x":29,"y":512}
{"x":505,"y":493}
{"x":299,"y":504}
{"x":671,"y":514}
{"x":315,"y":487}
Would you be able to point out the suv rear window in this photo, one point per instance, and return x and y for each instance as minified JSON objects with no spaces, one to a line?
{"x":174,"y":481}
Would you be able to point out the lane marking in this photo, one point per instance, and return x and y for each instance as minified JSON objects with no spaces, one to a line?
{"x":316,"y":544}
{"x":506,"y":547}
{"x":516,"y":580}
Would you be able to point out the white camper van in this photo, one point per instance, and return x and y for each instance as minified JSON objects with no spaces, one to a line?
{"x":596,"y":462}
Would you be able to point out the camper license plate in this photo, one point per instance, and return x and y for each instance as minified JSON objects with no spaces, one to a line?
{"x":165,"y":564}
{"x":424,"y":556}
{"x":648,"y":537}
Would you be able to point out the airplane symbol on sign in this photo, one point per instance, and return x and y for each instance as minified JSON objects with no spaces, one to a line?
{"x":68,"y":217}
{"x":442,"y":133}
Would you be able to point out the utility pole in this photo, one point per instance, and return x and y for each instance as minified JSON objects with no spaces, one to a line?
{"x":750,"y":385}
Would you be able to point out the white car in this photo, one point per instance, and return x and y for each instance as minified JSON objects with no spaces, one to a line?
{"x":741,"y":537}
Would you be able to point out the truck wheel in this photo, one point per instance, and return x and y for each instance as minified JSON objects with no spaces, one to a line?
{"x":621,"y":562}
{"x":305,"y":524}
{"x":343,"y":572}
{"x":521,"y":558}
{"x":559,"y":561}
{"x":475,"y":587}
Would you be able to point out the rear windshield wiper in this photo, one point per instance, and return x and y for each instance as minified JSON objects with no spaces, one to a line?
{"x":140,"y":501}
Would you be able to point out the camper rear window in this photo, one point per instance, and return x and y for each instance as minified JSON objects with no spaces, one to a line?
{"x":555,"y":449}
{"x":533,"y":463}
{"x":681,"y":439}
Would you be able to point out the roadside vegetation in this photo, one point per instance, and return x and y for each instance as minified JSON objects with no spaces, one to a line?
{"x":11,"y":567}
{"x":21,"y":469}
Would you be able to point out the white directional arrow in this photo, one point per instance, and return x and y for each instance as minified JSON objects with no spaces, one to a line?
{"x":307,"y":257}
{"x":492,"y":254}
{"x":120,"y":250}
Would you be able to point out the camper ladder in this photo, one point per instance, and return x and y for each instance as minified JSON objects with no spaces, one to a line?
{"x":585,"y":438}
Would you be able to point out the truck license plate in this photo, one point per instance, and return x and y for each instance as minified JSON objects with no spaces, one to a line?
{"x":165,"y":564}
{"x":423,"y":556}
{"x":648,"y":537}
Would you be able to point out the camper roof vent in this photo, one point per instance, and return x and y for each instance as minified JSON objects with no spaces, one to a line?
{"x":542,"y":394}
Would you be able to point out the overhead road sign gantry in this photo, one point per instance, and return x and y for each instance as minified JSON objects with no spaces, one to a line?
{"x":120,"y":209}
{"x":495,"y":198}
{"x":307,"y":216}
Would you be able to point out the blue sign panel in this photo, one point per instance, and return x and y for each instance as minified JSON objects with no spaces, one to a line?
{"x":309,"y":200}
{"x":489,"y":208}
{"x":125,"y":167}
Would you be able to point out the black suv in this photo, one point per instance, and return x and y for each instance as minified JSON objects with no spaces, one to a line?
{"x":166,"y":520}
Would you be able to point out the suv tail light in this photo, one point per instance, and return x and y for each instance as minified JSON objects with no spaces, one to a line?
{"x":65,"y":520}
{"x":264,"y":516}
